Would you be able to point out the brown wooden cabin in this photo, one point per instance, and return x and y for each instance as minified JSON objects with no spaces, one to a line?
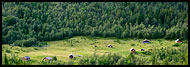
{"x":142,"y":49}
{"x":110,"y":46}
{"x":26,"y":58}
{"x":132,"y":50}
{"x":71,"y":56}
{"x":178,"y":41}
{"x":47,"y":59}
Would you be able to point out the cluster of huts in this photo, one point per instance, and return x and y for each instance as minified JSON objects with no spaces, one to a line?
{"x":132,"y":50}
{"x":27,"y":58}
{"x":71,"y":56}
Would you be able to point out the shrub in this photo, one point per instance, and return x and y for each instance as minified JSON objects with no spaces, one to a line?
{"x":41,"y":44}
{"x":8,"y":51}
{"x":6,"y":60}
{"x":132,"y":44}
{"x":28,"y":43}
{"x":121,"y":61}
{"x":16,"y":52}
{"x":177,"y":45}
{"x":54,"y":58}
{"x":25,"y":43}
{"x":147,"y":52}
{"x":161,"y":43}
{"x":36,"y":49}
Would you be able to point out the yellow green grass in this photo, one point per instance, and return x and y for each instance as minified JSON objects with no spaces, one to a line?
{"x":82,"y":46}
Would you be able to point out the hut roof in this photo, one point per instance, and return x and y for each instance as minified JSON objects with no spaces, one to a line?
{"x":177,"y":40}
{"x":71,"y":55}
{"x":49,"y":58}
{"x":131,"y":49}
{"x":145,"y":40}
{"x":27,"y":57}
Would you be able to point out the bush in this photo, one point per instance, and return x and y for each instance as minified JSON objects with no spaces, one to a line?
{"x":121,"y":61}
{"x":36,"y":49}
{"x":41,"y":44}
{"x":132,"y":44}
{"x":25,"y":43}
{"x":8,"y":51}
{"x":147,"y":52}
{"x":6,"y":60}
{"x":177,"y":45}
{"x":54,"y":58}
{"x":28,"y":43}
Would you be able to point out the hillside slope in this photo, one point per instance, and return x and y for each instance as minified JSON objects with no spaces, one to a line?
{"x":45,"y":21}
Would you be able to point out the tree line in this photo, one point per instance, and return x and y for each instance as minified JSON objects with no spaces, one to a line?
{"x":45,"y":21}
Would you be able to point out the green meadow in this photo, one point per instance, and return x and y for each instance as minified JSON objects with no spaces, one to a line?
{"x":84,"y":45}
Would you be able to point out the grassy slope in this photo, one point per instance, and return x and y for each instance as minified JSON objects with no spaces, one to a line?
{"x":63,"y":48}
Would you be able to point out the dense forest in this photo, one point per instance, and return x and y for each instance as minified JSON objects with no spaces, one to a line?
{"x":29,"y":22}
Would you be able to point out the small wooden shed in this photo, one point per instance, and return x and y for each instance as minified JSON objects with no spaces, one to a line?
{"x":146,"y":41}
{"x":47,"y":59}
{"x":26,"y":58}
{"x":132,"y":50}
{"x":110,"y":46}
{"x":178,"y":41}
{"x":71,"y":56}
{"x":142,"y":49}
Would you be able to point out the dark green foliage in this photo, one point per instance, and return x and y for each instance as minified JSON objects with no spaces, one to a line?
{"x":6,"y":60}
{"x":28,"y":43}
{"x":132,"y":44}
{"x":54,"y":58}
{"x":106,"y":59}
{"x":10,"y":20}
{"x":171,"y":54}
{"x":36,"y":49}
{"x":147,"y":52}
{"x":41,"y":44}
{"x":131,"y":59}
{"x":177,"y":45}
{"x":8,"y":51}
{"x":31,"y":23}
{"x":47,"y":21}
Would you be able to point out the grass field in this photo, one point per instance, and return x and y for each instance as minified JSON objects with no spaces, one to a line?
{"x":84,"y":45}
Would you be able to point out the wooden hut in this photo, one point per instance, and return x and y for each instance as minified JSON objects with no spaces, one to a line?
{"x":178,"y":41}
{"x":47,"y":59}
{"x":146,"y":41}
{"x":26,"y":58}
{"x":71,"y":56}
{"x":110,"y":46}
{"x":132,"y":50}
{"x":142,"y":49}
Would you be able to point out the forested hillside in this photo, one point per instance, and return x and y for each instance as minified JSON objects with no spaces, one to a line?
{"x":45,"y":21}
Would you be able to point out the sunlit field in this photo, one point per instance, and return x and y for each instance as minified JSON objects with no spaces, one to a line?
{"x":84,"y":46}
